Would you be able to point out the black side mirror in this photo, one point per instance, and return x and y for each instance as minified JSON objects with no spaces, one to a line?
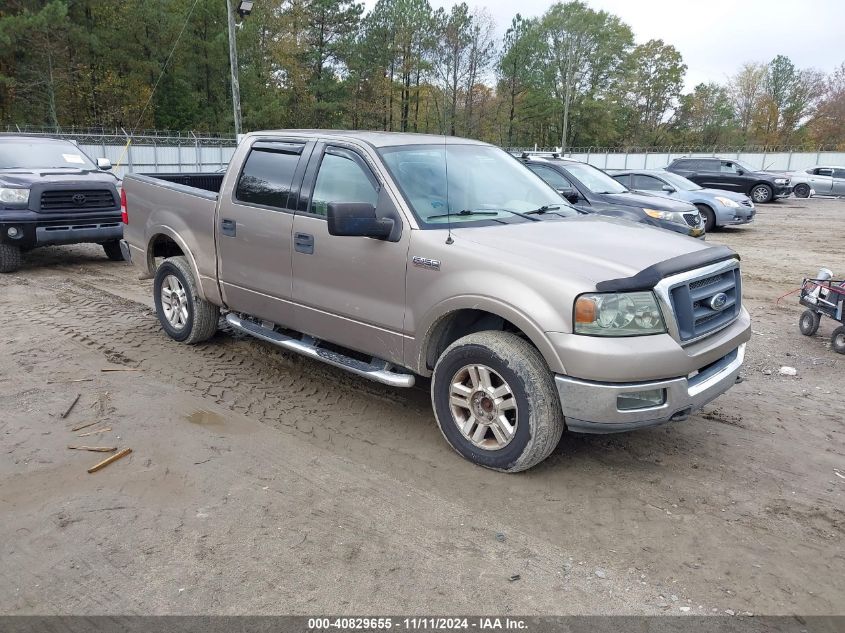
{"x":740,"y":172}
{"x":570,"y":194}
{"x":668,"y":189}
{"x":357,"y":219}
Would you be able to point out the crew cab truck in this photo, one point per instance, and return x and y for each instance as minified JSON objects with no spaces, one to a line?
{"x":52,"y":193}
{"x":396,"y":256}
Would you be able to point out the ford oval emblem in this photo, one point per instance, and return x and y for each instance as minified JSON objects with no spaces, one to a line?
{"x":718,"y":301}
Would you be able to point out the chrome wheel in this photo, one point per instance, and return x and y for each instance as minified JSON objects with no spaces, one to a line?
{"x":174,"y":302}
{"x":483,"y":407}
{"x":760,"y":194}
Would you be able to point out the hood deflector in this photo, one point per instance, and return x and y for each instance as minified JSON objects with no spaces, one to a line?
{"x":649,"y":277}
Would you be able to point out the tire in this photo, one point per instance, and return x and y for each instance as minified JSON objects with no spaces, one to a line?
{"x":10,"y":258}
{"x":190,"y":319}
{"x":809,"y":322}
{"x":113,"y":251}
{"x":761,"y":193}
{"x":709,"y":217}
{"x":531,"y":403}
{"x":801,"y":191}
{"x":837,"y":340}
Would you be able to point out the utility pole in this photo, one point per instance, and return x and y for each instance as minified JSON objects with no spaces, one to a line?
{"x":233,"y":63}
{"x":566,"y":99}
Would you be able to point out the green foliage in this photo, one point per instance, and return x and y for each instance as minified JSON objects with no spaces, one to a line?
{"x":402,"y":67}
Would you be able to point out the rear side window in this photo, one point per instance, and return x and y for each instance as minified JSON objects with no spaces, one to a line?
{"x":268,"y":175}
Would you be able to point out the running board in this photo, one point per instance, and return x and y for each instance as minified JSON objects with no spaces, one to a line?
{"x":378,"y":370}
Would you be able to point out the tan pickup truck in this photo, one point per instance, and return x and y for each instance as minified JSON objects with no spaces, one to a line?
{"x":396,"y":256}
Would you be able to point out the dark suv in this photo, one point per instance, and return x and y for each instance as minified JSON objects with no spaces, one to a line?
{"x":591,"y":190}
{"x":732,"y":175}
{"x":52,"y":193}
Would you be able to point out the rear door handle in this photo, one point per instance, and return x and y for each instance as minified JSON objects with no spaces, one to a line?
{"x":303,"y":243}
{"x":228,"y":227}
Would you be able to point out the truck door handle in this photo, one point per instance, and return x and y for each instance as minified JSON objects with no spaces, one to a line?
{"x":303,"y":243}
{"x":228,"y":227}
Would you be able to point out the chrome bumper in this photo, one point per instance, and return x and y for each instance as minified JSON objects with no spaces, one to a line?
{"x":593,"y":407}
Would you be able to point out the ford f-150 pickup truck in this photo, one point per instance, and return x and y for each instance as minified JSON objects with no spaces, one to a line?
{"x":396,"y":256}
{"x":52,"y":193}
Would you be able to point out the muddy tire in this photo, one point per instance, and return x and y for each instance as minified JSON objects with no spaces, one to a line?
{"x":183,"y":315}
{"x":762,"y":193}
{"x":495,"y":401}
{"x":802,"y":191}
{"x":10,"y":258}
{"x":112,"y":250}
{"x":709,"y":217}
{"x":837,"y":340}
{"x":809,"y":322}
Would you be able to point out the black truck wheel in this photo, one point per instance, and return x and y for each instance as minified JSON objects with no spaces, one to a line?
{"x":495,"y":401}
{"x":183,"y":315}
{"x":809,"y":322}
{"x":801,"y":191}
{"x":762,"y":193}
{"x":113,"y":251}
{"x":837,"y":340}
{"x":10,"y":258}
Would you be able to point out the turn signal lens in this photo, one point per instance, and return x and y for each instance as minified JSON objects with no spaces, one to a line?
{"x":585,"y":310}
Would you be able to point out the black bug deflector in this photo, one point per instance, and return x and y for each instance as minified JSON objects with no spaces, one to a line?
{"x":649,"y":277}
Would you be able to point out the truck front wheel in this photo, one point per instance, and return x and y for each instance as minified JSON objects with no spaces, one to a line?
{"x":495,"y":401}
{"x":183,"y":315}
{"x":10,"y":258}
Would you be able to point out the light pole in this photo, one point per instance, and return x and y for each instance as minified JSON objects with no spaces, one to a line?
{"x":571,"y":77}
{"x":244,"y":9}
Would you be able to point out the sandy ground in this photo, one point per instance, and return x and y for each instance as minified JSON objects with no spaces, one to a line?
{"x":261,"y":482}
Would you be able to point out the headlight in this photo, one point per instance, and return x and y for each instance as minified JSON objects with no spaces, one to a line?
{"x":781,"y":181}
{"x":14,"y":196}
{"x":667,"y":216}
{"x":618,"y":314}
{"x":731,"y":204}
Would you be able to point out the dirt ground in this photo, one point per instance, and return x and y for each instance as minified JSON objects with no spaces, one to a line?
{"x":261,"y":482}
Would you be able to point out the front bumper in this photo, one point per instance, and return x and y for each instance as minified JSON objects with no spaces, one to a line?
{"x":42,"y":229}
{"x":594,"y":407}
{"x":783,"y":191}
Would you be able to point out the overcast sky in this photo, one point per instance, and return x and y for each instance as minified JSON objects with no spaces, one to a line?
{"x":715,"y":36}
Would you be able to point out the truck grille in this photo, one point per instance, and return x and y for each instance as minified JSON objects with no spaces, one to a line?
{"x":701,"y":308}
{"x":77,"y":199}
{"x":692,"y":219}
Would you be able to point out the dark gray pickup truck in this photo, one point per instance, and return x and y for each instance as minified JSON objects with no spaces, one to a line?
{"x":52,"y":193}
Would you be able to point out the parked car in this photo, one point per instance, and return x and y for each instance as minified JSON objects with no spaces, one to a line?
{"x":591,"y":190}
{"x":822,"y":181}
{"x":395,"y":255}
{"x":717,"y":207}
{"x":732,"y":175}
{"x":52,"y":193}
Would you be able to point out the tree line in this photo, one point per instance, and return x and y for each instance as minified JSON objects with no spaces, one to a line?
{"x":403,"y":66}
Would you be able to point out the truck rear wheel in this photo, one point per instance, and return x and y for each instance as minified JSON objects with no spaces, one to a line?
{"x":183,"y":315}
{"x":10,"y":258}
{"x":495,"y":401}
{"x":112,"y":250}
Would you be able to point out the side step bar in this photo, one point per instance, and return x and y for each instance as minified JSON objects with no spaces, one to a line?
{"x":378,"y":370}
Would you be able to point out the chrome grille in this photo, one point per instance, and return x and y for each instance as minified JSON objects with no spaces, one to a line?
{"x":692,"y":219}
{"x":747,"y":203}
{"x":77,"y":199}
{"x":693,"y":301}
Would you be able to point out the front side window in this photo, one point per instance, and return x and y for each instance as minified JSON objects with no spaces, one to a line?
{"x":679,"y":182}
{"x":554,"y":178}
{"x":824,"y":171}
{"x":342,"y":179}
{"x":594,"y":178}
{"x":839,"y":173}
{"x":267,"y":177}
{"x":468,"y":184}
{"x":646,"y":183}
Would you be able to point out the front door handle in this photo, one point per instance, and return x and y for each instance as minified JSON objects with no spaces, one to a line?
{"x":228,"y":227}
{"x":303,"y":243}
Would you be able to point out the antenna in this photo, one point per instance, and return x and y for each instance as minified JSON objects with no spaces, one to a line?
{"x":449,"y":239}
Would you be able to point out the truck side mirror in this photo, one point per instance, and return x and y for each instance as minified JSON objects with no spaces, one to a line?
{"x":104,"y":164}
{"x":570,"y":194}
{"x":357,"y":219}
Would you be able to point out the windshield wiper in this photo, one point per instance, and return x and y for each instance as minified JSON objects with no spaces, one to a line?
{"x":466,"y":212}
{"x":544,"y":209}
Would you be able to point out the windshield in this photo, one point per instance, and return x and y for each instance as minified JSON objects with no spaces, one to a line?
{"x":679,"y":182}
{"x":39,"y":154}
{"x":594,"y":178}
{"x":485,"y":185}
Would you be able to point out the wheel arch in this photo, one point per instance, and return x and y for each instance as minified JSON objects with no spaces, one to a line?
{"x":165,"y":242}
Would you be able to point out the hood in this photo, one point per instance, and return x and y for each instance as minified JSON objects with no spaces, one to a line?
{"x":25,"y":178}
{"x":593,"y":247}
{"x":730,"y":195}
{"x":650,"y":201}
